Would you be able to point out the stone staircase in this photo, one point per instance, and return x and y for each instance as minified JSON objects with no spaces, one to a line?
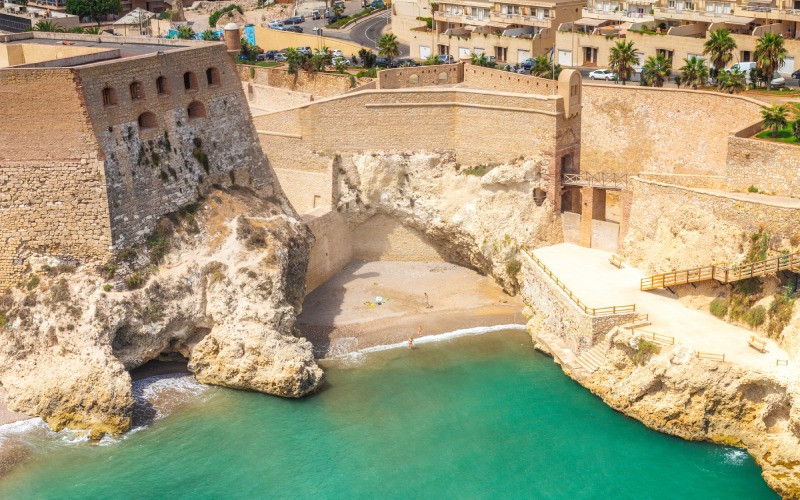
{"x":592,"y":359}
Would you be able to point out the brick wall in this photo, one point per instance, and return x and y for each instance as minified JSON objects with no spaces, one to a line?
{"x":420,"y":76}
{"x":633,"y":129}
{"x":505,"y":81}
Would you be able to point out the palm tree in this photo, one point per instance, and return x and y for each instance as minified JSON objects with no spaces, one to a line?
{"x":338,"y":9}
{"x":796,"y":130}
{"x":431,"y":60}
{"x":481,"y":60}
{"x":657,"y":69}
{"x":774,"y":117}
{"x":294,"y":60}
{"x":719,"y":48}
{"x":694,"y":72}
{"x":622,"y":59}
{"x":387,"y":46}
{"x":185,"y":33}
{"x":542,"y":67}
{"x":732,"y":82}
{"x":46,"y":26}
{"x":770,"y":54}
{"x":210,"y":35}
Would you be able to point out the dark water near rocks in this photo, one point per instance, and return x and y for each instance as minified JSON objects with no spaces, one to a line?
{"x":478,"y":417}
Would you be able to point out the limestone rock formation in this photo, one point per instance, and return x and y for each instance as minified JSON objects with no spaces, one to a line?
{"x":697,"y":399}
{"x":478,"y":216}
{"x":220,"y":286}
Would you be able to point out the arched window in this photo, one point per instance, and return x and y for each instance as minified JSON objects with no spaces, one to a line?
{"x":109,"y":96}
{"x":189,"y":81}
{"x":196,"y":110}
{"x":212,"y":76}
{"x":147,"y":120}
{"x":162,"y":86}
{"x":137,"y":91}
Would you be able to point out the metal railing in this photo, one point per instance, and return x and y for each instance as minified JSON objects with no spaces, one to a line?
{"x":592,"y":311}
{"x":607,"y":180}
{"x":723,"y":273}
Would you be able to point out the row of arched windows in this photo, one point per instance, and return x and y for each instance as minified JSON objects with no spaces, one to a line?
{"x":136,"y":88}
{"x":148,"y":120}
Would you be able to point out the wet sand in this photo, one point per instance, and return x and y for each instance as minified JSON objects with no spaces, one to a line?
{"x":7,"y":416}
{"x":341,"y":316}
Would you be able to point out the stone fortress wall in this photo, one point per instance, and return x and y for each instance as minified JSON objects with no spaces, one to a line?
{"x":768,"y":166}
{"x":103,"y":178}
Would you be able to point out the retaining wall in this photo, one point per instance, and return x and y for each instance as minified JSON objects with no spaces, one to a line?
{"x":773,"y":167}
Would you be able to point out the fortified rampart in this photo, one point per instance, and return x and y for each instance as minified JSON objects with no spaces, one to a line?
{"x":633,"y":129}
{"x":93,"y":154}
{"x":766,"y":165}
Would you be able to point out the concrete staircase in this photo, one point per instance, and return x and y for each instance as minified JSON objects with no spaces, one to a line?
{"x":594,"y":357}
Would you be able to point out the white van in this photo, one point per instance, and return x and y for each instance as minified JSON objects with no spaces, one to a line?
{"x":276,"y":25}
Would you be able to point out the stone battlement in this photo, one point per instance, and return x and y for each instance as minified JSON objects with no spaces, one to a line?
{"x":92,"y":155}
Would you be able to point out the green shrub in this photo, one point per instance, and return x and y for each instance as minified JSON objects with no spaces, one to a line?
{"x":33,"y":283}
{"x":107,"y":287}
{"x":479,"y":170}
{"x":352,"y":82}
{"x":369,"y":73}
{"x":134,"y":281}
{"x":755,"y":316}
{"x":60,"y":292}
{"x":513,"y":267}
{"x":752,"y":189}
{"x":158,"y":242}
{"x":644,"y":351}
{"x":719,"y":307}
{"x":780,"y":311}
{"x":214,"y":17}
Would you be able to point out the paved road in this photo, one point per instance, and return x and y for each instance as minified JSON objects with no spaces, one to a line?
{"x":368,"y":32}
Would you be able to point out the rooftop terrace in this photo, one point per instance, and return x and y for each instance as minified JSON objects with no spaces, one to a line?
{"x":60,"y":50}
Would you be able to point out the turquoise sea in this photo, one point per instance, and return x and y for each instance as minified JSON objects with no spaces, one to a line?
{"x":473,"y":417}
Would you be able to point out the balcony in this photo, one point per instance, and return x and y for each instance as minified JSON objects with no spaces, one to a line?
{"x":619,"y":16}
{"x":701,"y":16}
{"x":540,"y":22}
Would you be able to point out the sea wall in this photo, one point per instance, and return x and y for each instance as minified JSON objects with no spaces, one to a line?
{"x":634,"y":129}
{"x":555,"y":313}
{"x":675,"y":227}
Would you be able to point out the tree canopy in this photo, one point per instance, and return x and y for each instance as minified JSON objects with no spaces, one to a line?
{"x":96,"y":10}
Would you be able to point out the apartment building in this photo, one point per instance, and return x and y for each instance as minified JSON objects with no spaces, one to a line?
{"x":509,"y":30}
{"x":676,"y":28}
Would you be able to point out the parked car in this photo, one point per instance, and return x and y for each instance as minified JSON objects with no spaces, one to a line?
{"x":315,"y":14}
{"x":377,"y":4}
{"x":796,"y":74}
{"x":527,"y":64}
{"x":745,"y":68}
{"x":407,"y":62}
{"x":316,"y":30}
{"x":337,"y":53}
{"x":446,"y":59}
{"x":294,"y":20}
{"x":382,"y":62}
{"x":304,"y":50}
{"x":270,"y":55}
{"x":261,"y":57}
{"x":342,"y":60}
{"x":602,"y":74}
{"x":295,"y":29}
{"x":777,"y":81}
{"x":280,"y":57}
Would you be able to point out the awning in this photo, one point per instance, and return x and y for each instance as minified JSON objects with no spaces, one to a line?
{"x":739,"y":21}
{"x":761,"y":2}
{"x":588,"y":21}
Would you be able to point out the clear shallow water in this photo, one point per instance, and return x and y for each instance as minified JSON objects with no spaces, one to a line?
{"x":482,"y":416}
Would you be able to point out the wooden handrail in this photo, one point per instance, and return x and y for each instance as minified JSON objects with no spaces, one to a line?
{"x":722,"y":272}
{"x":712,"y":356}
{"x":592,"y":311}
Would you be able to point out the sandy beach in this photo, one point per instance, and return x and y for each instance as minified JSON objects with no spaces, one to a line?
{"x":342,"y":315}
{"x":7,"y":416}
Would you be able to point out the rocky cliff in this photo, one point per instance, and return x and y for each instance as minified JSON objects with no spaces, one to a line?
{"x":477,"y":216}
{"x":668,"y":389}
{"x":219,"y":284}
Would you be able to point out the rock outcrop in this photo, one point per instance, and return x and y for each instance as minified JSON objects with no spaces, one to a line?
{"x":673,"y":391}
{"x":219,"y":285}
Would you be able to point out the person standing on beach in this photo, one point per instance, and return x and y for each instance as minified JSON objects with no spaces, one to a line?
{"x":427,"y":302}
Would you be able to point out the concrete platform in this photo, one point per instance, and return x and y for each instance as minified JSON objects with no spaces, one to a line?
{"x":595,"y":281}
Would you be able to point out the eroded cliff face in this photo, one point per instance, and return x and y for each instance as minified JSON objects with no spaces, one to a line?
{"x":219,"y":285}
{"x":477,"y":216}
{"x":674,"y":392}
